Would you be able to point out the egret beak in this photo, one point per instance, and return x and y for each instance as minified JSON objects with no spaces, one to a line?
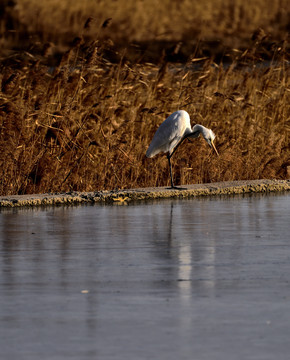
{"x":213,"y":145}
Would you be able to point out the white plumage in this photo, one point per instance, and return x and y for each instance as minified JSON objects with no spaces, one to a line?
{"x":171,"y":134}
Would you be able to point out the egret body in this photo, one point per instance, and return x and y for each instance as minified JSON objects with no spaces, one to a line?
{"x":172,"y":132}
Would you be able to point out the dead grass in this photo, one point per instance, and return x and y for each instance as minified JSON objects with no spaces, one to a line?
{"x":85,"y":124}
{"x":88,"y":127}
{"x":216,"y":24}
{"x":138,"y":20}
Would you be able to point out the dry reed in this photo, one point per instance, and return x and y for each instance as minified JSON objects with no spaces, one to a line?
{"x":86,"y":123}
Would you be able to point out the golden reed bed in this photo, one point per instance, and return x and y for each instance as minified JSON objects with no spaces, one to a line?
{"x":79,"y":115}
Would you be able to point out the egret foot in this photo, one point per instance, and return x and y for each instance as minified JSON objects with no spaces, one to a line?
{"x":176,"y":188}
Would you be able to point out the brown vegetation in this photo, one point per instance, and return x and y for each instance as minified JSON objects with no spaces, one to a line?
{"x":142,"y":22}
{"x":85,"y":123}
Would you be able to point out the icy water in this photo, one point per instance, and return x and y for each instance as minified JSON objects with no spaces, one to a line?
{"x":197,"y":279}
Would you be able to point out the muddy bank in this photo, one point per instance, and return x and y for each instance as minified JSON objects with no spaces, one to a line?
{"x":119,"y":196}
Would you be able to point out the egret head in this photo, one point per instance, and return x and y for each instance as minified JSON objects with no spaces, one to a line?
{"x":209,"y":137}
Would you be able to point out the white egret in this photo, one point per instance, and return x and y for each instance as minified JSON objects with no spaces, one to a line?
{"x":172,"y":132}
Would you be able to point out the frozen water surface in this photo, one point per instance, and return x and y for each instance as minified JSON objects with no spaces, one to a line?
{"x":205,"y":278}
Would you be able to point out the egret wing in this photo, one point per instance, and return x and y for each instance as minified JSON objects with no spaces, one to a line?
{"x":168,"y":135}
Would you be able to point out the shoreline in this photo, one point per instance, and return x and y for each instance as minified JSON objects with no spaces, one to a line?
{"x":127,"y":195}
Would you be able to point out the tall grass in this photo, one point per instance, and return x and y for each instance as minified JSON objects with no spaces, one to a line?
{"x":141,"y":20}
{"x":88,"y":127}
{"x":27,"y":23}
{"x":85,"y":124}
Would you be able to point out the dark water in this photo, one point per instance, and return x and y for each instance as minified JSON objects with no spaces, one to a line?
{"x":193,"y":279}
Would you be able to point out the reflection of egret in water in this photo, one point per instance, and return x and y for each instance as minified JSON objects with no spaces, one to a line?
{"x":184,"y":256}
{"x":184,"y":270}
{"x":195,"y":255}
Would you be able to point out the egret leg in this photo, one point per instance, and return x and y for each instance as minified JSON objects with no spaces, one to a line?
{"x":170,"y":170}
{"x":169,"y":157}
